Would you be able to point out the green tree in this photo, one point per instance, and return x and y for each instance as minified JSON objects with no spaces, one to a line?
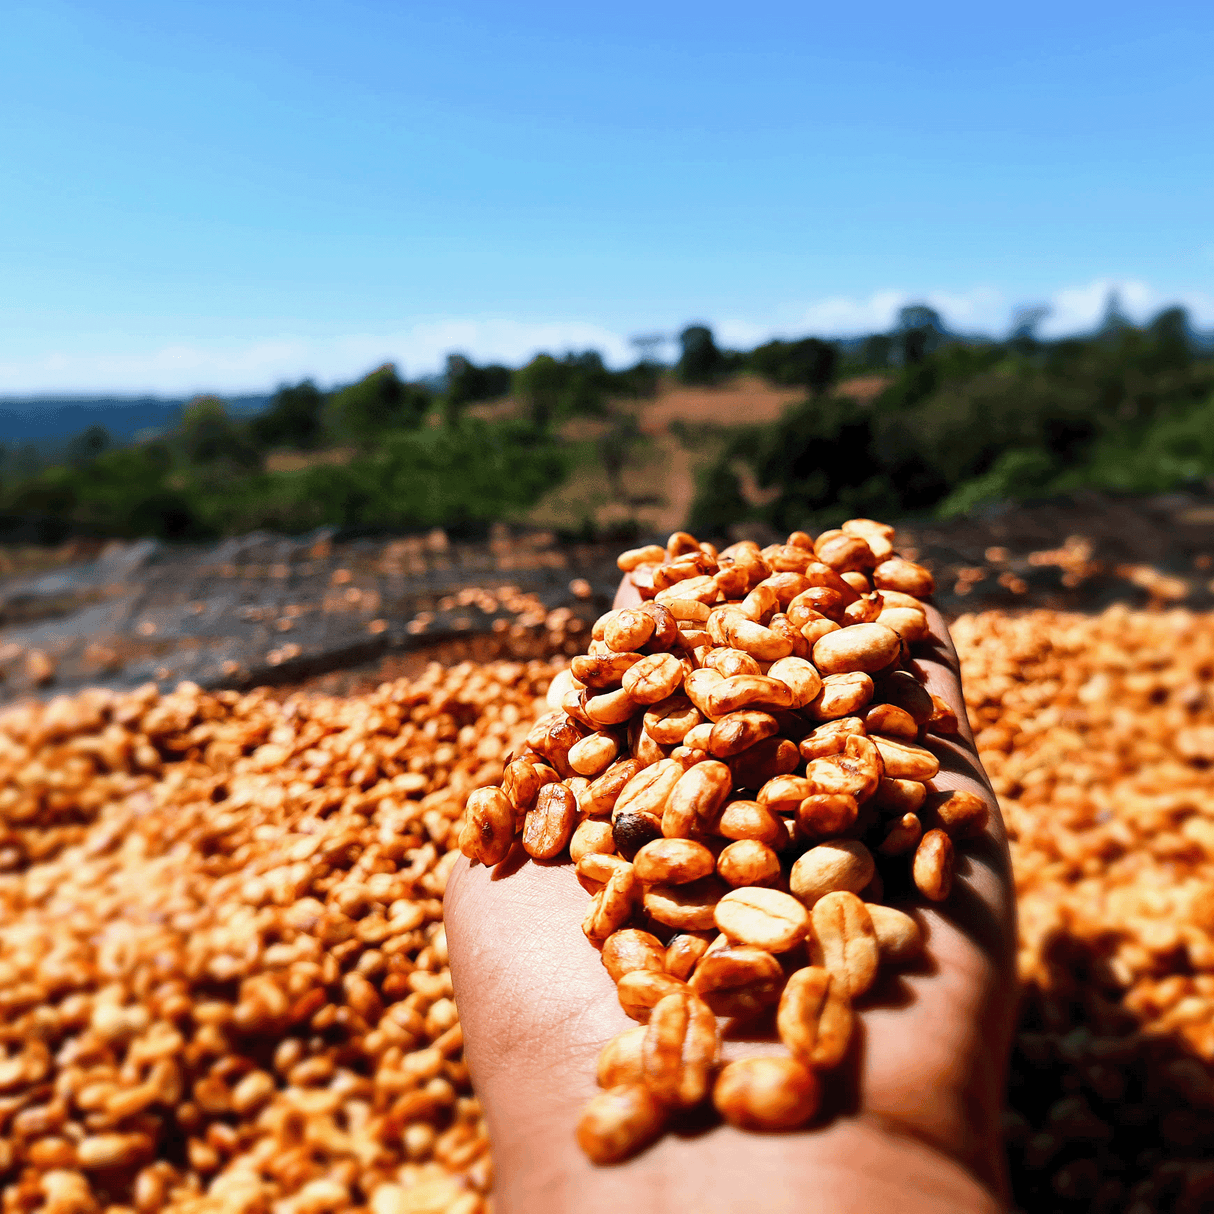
{"x":209,"y":437}
{"x":293,"y":418}
{"x":88,"y":445}
{"x":377,"y":403}
{"x":700,"y":361}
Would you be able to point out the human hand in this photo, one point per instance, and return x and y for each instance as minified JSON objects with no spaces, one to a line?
{"x":912,"y":1115}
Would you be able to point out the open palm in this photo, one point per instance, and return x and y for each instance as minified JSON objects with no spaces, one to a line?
{"x":923,"y":1080}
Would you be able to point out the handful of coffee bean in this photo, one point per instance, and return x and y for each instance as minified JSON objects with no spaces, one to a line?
{"x":722,"y":765}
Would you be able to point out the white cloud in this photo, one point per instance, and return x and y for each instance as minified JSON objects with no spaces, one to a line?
{"x":258,"y":363}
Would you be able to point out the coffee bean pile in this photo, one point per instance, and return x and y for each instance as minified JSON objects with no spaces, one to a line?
{"x":223,"y":969}
{"x":730,"y":767}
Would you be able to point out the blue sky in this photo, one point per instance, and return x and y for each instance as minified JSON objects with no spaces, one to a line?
{"x":226,"y":195}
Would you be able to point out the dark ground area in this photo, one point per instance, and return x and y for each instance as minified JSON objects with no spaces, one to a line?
{"x":264,"y":609}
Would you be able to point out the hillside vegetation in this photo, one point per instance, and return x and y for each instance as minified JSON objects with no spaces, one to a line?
{"x":788,"y":434}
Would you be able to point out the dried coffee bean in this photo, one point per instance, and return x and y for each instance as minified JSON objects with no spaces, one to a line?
{"x":844,"y":941}
{"x":639,"y":992}
{"x":898,"y":574}
{"x":767,"y":1093}
{"x":687,"y":907}
{"x":680,"y":1051}
{"x":841,"y":694}
{"x":591,"y":836}
{"x":906,"y":761}
{"x":899,"y":796}
{"x":902,"y":835}
{"x":898,"y":936}
{"x":933,"y":865}
{"x":673,"y":862}
{"x":593,"y":754}
{"x":838,"y":864}
{"x":814,"y":1018}
{"x":683,"y":953}
{"x":960,"y":814}
{"x":669,"y":721}
{"x":821,"y":816}
{"x":861,"y":647}
{"x":647,"y":791}
{"x":488,"y":832}
{"x":630,"y":832}
{"x":738,"y":980}
{"x":548,"y":827}
{"x":619,"y":1122}
{"x":762,"y":918}
{"x":654,"y":678}
{"x":890,"y":721}
{"x":696,"y":797}
{"x":738,"y":731}
{"x":627,"y":630}
{"x":749,"y":862}
{"x":630,"y":949}
{"x":620,"y":1059}
{"x":763,"y":761}
{"x":750,"y":820}
{"x":605,"y":671}
{"x":612,"y":906}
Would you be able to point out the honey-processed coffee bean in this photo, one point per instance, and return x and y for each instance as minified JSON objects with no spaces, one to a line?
{"x":655,"y":677}
{"x":604,"y":671}
{"x":878,"y":536}
{"x":591,"y":836}
{"x":687,"y":907}
{"x":612,"y":906}
{"x":738,"y":980}
{"x":522,"y":781}
{"x":932,"y":868}
{"x":738,"y":731}
{"x":800,"y":677}
{"x":620,"y":1059}
{"x":898,"y":936}
{"x":548,"y":827}
{"x":830,"y":738}
{"x":763,"y":761}
{"x":905,"y":760}
{"x":673,"y":862}
{"x":750,"y":820}
{"x":822,"y":815}
{"x":630,"y":949}
{"x":595,"y":869}
{"x":650,"y":554}
{"x":899,"y":796}
{"x":603,"y":792}
{"x":844,"y":941}
{"x":669,"y":721}
{"x":488,"y":832}
{"x":814,"y":1018}
{"x":843,"y":552}
{"x":696,"y":797}
{"x":901,"y":688}
{"x":626,"y":631}
{"x":640,"y":990}
{"x":684,"y":951}
{"x":860,"y":647}
{"x":898,"y":574}
{"x":867,"y":608}
{"x":902,"y":835}
{"x":594,"y":754}
{"x":619,"y":1122}
{"x":680,"y":1050}
{"x":647,"y":791}
{"x":630,"y":832}
{"x":784,"y":794}
{"x":890,"y":721}
{"x":841,"y":695}
{"x":838,"y":864}
{"x":960,"y":814}
{"x":910,"y":625}
{"x":777,"y":1093}
{"x":762,"y":918}
{"x":749,"y":862}
{"x":745,"y":691}
{"x":608,"y":708}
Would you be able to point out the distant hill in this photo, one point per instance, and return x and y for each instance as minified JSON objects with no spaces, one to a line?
{"x":46,"y":419}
